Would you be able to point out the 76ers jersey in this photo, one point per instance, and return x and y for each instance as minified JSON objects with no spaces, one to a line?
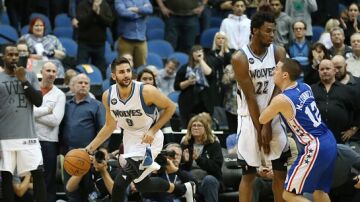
{"x":306,"y":123}
{"x":261,"y":73}
{"x":135,"y":118}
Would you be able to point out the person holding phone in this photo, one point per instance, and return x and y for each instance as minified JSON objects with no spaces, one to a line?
{"x":194,"y":80}
{"x":20,"y":148}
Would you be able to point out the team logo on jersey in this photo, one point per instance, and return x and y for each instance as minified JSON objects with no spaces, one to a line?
{"x":251,"y":60}
{"x":113,"y":101}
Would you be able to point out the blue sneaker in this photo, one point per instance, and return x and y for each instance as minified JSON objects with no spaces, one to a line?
{"x":148,"y":160}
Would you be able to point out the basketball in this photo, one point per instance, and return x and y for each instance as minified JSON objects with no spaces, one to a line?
{"x":77,"y":162}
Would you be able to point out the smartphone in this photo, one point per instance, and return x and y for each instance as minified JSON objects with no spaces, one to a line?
{"x":22,"y":62}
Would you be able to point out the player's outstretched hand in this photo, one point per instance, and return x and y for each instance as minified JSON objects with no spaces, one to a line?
{"x":148,"y":138}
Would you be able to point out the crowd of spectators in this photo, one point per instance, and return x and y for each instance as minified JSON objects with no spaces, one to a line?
{"x":205,"y":82}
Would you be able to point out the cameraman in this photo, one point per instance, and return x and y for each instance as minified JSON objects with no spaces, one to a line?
{"x":101,"y":183}
{"x":169,"y":159}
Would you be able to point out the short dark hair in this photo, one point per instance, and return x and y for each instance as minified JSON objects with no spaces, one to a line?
{"x":119,"y":61}
{"x":173,"y":60}
{"x":296,"y":21}
{"x":233,"y":2}
{"x":292,"y":67}
{"x":259,"y":19}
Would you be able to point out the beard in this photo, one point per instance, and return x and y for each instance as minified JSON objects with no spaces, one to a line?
{"x":123,"y":82}
{"x":340,"y":77}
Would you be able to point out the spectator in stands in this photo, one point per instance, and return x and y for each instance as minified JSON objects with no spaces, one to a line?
{"x":299,"y":47}
{"x":166,"y":77}
{"x":17,"y":12}
{"x":203,"y":157}
{"x":353,"y":61}
{"x":345,"y":77}
{"x":336,"y":102}
{"x":146,"y":76}
{"x":339,"y":47}
{"x":317,"y":53}
{"x":301,"y":10}
{"x":230,"y":100}
{"x":43,"y":46}
{"x":47,"y":120}
{"x":102,"y":175}
{"x":93,"y":19}
{"x":181,"y":22}
{"x":325,"y":37}
{"x":83,"y":118}
{"x":350,"y":23}
{"x":218,"y":58}
{"x":72,"y":12}
{"x":24,"y":54}
{"x":283,"y":23}
{"x":193,"y":81}
{"x":237,"y":26}
{"x":132,"y":28}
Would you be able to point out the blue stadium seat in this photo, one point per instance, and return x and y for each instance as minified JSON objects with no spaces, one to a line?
{"x":5,"y":19}
{"x":160,"y":47}
{"x":153,"y":22}
{"x":154,"y":59}
{"x":215,"y":22}
{"x":174,"y":96}
{"x":25,"y":30}
{"x":181,"y":57}
{"x":317,"y":31}
{"x":108,"y":49}
{"x":106,"y":84}
{"x":70,"y":46}
{"x":207,"y":37}
{"x":62,"y":20}
{"x":109,"y":36}
{"x":154,"y":34}
{"x":110,"y":57}
{"x":92,"y":72}
{"x":9,"y":34}
{"x":48,"y":28}
{"x":66,"y":32}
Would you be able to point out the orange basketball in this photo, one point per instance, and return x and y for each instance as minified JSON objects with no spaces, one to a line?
{"x":77,"y":162}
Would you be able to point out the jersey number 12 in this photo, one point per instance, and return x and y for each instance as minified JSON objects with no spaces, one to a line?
{"x":313,"y":114}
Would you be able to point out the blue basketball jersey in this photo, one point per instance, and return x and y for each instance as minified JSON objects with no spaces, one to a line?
{"x":306,"y":123}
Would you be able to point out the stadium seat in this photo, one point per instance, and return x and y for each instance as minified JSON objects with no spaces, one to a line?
{"x":215,"y":22}
{"x":109,"y":57}
{"x":48,"y":28}
{"x":207,"y":37}
{"x":66,"y":32}
{"x":153,"y":22}
{"x":181,"y":57}
{"x":106,"y":84}
{"x":174,"y":96}
{"x":62,"y":20}
{"x":108,"y":49}
{"x":25,"y":30}
{"x":154,"y":59}
{"x":70,"y":46}
{"x":5,"y":19}
{"x":109,"y":36}
{"x":160,"y":47}
{"x":92,"y":72}
{"x":154,"y":34}
{"x":317,"y":31}
{"x":8,"y":34}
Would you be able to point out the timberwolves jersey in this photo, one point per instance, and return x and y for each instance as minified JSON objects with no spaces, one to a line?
{"x":261,"y":74}
{"x":306,"y":123}
{"x":135,"y":118}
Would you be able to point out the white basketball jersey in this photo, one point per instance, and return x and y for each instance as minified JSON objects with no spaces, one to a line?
{"x":261,"y":72}
{"x":135,"y":118}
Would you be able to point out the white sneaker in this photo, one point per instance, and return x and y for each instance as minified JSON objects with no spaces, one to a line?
{"x":154,"y":166}
{"x":190,"y":191}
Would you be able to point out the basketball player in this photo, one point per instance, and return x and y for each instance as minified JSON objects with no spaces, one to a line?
{"x":133,"y":107}
{"x":253,"y":66}
{"x":312,"y":171}
{"x":19,"y":145}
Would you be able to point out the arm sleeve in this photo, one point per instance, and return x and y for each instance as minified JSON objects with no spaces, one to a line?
{"x":40,"y":111}
{"x":34,"y":96}
{"x":146,"y":9}
{"x":122,"y":11}
{"x":212,"y":164}
{"x":106,"y":14}
{"x":54,"y":119}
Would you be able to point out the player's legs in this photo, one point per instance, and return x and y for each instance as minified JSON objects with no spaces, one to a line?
{"x":321,"y":196}
{"x":246,"y":183}
{"x":291,"y":197}
{"x":7,"y":186}
{"x":40,"y":194}
{"x":279,"y":170}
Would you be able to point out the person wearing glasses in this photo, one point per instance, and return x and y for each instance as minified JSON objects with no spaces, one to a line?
{"x":202,"y":156}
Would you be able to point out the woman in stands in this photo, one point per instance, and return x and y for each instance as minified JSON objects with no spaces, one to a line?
{"x":350,"y":23}
{"x":146,"y":76}
{"x":44,"y":46}
{"x":203,"y":157}
{"x":194,"y":80}
{"x":317,"y":53}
